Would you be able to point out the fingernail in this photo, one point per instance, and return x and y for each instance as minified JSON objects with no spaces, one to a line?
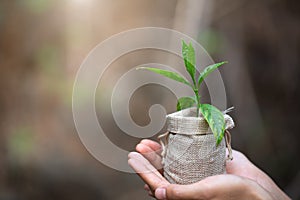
{"x":160,"y":193}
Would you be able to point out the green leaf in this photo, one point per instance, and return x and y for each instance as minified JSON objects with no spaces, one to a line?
{"x":185,"y":102}
{"x":208,"y":70}
{"x":172,"y":75}
{"x":188,"y":53}
{"x":215,"y":120}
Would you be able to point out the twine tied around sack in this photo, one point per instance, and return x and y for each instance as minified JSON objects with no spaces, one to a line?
{"x":228,"y":144}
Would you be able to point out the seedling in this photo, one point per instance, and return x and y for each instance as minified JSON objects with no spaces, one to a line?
{"x":211,"y":114}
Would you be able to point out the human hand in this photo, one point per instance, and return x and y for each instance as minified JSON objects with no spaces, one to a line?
{"x":242,"y":181}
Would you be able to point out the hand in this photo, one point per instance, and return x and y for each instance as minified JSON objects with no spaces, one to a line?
{"x":242,"y":181}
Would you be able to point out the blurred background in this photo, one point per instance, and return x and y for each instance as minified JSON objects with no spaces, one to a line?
{"x":43,"y":43}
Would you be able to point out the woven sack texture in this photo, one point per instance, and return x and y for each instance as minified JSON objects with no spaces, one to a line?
{"x":190,"y":153}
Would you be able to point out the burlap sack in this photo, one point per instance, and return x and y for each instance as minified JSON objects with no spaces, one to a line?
{"x":190,"y":153}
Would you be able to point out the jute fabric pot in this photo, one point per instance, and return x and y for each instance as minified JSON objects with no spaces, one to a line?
{"x":190,"y":153}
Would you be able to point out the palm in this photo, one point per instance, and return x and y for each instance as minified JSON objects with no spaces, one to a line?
{"x":147,"y":164}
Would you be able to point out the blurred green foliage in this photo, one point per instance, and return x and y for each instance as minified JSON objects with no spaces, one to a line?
{"x":211,"y":40}
{"x":20,"y":143}
{"x":48,"y":59}
{"x":36,"y":6}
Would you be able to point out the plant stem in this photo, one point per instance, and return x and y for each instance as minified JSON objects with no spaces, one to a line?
{"x":197,"y":100}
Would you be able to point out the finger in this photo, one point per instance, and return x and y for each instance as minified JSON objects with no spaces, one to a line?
{"x":146,"y":171}
{"x":147,"y":188}
{"x":150,"y":155}
{"x":182,"y":192}
{"x":150,"y":194}
{"x":141,"y":164}
{"x":240,"y":165}
{"x":177,"y":192}
{"x":148,"y":176}
{"x":153,"y":145}
{"x":204,"y":189}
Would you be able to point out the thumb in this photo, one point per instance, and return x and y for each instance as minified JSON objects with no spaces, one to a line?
{"x":177,"y":192}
